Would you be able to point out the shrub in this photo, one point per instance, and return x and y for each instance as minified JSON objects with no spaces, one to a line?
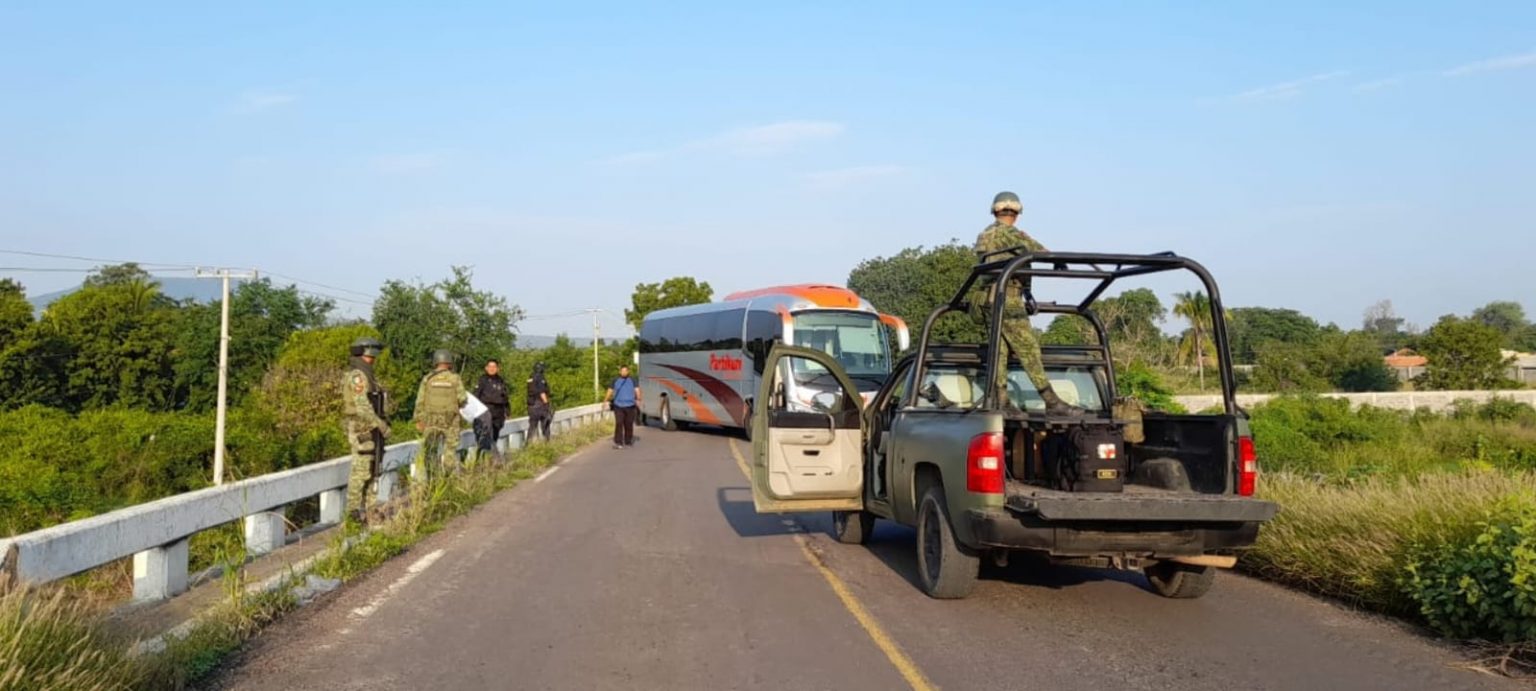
{"x":1142,"y":382}
{"x":1485,"y":586}
{"x":50,"y":641}
{"x":1356,"y":541}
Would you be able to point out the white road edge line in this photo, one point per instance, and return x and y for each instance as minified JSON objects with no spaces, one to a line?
{"x":545,"y":474}
{"x":411,"y":573}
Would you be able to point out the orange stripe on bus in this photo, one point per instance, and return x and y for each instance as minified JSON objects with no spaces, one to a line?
{"x":819,"y":295}
{"x":701,"y":412}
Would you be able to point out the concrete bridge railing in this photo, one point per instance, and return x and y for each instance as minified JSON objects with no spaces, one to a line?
{"x":1435,"y":401}
{"x":156,"y":534}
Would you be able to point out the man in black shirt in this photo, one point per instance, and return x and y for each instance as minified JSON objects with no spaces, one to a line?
{"x":492,"y":391}
{"x":539,"y":413}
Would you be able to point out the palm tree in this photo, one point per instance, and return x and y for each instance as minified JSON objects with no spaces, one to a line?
{"x":1196,"y":309}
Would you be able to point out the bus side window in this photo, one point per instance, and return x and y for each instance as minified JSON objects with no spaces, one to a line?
{"x":763,"y":329}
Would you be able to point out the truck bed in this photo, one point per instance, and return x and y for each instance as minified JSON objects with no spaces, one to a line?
{"x":1136,"y":503}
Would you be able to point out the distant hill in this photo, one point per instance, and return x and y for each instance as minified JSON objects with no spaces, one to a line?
{"x":176,"y":288}
{"x":532,"y":341}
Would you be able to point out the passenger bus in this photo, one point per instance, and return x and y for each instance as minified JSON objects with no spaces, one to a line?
{"x":703,"y":363}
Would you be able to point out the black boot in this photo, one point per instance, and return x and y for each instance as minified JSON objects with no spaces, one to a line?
{"x":1055,"y":407}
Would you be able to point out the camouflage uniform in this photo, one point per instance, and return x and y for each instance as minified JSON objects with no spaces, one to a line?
{"x":358,"y":422}
{"x":438,"y":401}
{"x":1018,"y":337}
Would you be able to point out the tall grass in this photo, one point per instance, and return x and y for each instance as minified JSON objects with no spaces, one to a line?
{"x":49,"y":640}
{"x":1356,"y":541}
{"x":1326,"y":437}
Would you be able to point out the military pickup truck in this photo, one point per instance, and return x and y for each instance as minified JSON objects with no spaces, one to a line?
{"x":980,"y":472}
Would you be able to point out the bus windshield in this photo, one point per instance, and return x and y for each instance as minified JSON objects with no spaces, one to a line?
{"x":856,"y":340}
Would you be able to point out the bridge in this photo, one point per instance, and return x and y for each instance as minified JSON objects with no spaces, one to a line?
{"x":647,"y":568}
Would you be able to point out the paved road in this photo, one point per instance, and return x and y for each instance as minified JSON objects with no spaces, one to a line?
{"x":647,"y":569}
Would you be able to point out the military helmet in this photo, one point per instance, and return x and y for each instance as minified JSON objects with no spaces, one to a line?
{"x":538,"y":368}
{"x":368,"y":346}
{"x":1007,"y":201}
{"x":442,"y":356}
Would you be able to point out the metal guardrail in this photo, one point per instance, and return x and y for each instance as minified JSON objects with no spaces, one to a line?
{"x":156,"y":534}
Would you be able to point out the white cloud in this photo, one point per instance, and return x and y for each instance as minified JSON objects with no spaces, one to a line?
{"x":1285,"y":90}
{"x":771,"y":139}
{"x":1507,"y":62}
{"x":846,"y":177}
{"x":255,"y":100}
{"x":402,"y":164}
{"x":1379,"y":84}
{"x":761,"y":140}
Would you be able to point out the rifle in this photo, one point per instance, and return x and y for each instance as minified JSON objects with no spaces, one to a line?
{"x":376,"y":464}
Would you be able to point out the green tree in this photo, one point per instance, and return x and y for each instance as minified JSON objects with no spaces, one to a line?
{"x":1508,"y":318}
{"x":1251,"y":327}
{"x":677,"y":291}
{"x":1196,"y":344}
{"x":1068,"y":330}
{"x":568,"y":369}
{"x":301,"y":390}
{"x":914,"y":282}
{"x":32,"y":368}
{"x":1145,"y":384}
{"x":118,"y":274}
{"x":415,"y":319}
{"x":1352,"y":362}
{"x":1131,"y":319}
{"x":115,"y":341}
{"x":1463,"y":354}
{"x":1285,"y":367}
{"x":15,"y":312}
{"x":260,"y":321}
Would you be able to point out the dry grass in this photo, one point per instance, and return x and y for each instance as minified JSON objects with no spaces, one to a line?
{"x":1354,"y":541}
{"x":48,"y":640}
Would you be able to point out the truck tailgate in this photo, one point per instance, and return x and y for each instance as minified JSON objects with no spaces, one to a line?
{"x":1137,"y":504}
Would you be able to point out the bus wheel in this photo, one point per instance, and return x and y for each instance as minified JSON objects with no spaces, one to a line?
{"x":667,"y":423}
{"x":746,"y":427}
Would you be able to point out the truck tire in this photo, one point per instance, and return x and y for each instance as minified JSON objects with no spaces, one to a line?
{"x":853,"y":527}
{"x":1180,"y":581}
{"x":667,"y":423}
{"x":946,"y":568}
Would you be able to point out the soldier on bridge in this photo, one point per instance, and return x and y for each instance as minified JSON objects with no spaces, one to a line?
{"x":438,"y":401}
{"x":362,"y":405}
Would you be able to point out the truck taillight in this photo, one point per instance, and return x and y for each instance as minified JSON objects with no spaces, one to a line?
{"x":984,"y":464}
{"x":1247,"y":466}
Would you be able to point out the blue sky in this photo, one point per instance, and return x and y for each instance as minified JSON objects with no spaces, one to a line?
{"x":1313,"y":156}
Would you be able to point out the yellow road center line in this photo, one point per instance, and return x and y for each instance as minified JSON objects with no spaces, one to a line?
{"x":903,"y":664}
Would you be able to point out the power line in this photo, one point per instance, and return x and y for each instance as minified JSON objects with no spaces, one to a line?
{"x":47,"y":255}
{"x":59,"y":269}
{"x":328,"y":296}
{"x":317,"y":284}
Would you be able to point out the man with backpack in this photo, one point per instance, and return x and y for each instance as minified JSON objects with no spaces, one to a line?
{"x":438,"y":400}
{"x":624,"y":399}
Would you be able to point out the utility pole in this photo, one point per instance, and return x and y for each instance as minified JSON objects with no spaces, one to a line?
{"x":218,"y":434}
{"x":597,"y":391}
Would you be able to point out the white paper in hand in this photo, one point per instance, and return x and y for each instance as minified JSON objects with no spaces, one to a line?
{"x":472,"y":409}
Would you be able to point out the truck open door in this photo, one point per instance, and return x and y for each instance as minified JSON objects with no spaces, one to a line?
{"x":807,"y":455}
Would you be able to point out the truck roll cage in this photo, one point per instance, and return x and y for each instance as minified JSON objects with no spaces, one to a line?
{"x":997,"y":268}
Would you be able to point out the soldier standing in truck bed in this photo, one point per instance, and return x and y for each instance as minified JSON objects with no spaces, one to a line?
{"x":1017,"y":335}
